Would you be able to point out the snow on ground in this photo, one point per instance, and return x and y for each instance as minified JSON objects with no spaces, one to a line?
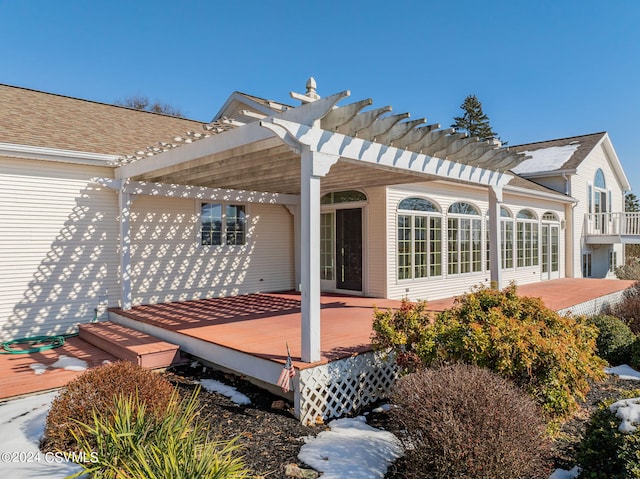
{"x":232,"y":393}
{"x":628,"y":411}
{"x":351,"y":449}
{"x":21,"y":428}
{"x":563,"y":474}
{"x":546,"y":159}
{"x":624,"y":372}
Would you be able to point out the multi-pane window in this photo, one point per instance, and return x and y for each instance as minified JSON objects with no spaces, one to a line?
{"x":586,"y":264}
{"x":419,"y":239}
{"x":613,"y":260}
{"x":326,"y":245}
{"x":223,"y":224}
{"x":506,"y":240}
{"x":527,"y":238}
{"x":464,"y":232}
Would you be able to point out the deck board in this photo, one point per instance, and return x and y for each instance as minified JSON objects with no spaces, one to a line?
{"x":17,"y":378}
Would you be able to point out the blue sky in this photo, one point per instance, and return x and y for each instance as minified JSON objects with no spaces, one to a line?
{"x":542,"y":69}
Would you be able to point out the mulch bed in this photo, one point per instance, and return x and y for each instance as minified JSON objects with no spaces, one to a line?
{"x":271,"y":437}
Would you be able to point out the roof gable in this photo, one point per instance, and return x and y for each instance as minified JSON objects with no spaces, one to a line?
{"x":556,"y":155}
{"x":565,"y":155}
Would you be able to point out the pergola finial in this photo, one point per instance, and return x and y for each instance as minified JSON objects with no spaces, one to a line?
{"x":311,"y":88}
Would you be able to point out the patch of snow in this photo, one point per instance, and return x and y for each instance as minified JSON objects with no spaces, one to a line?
{"x":70,"y":363}
{"x":624,"y":372}
{"x":232,"y":393}
{"x":384,"y":408}
{"x":38,"y":368}
{"x":564,"y":474}
{"x":22,"y":424}
{"x":628,"y":411}
{"x":351,"y":449}
{"x":546,"y":159}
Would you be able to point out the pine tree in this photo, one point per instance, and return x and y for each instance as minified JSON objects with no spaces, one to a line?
{"x":631,"y":203}
{"x":474,"y":121}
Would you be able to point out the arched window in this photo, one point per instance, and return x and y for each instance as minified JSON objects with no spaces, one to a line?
{"x":348,"y":196}
{"x":419,"y":239}
{"x":417,"y":204}
{"x":527,"y":236}
{"x":464,"y":232}
{"x":550,"y":216}
{"x":506,"y":231}
{"x":598,"y":180}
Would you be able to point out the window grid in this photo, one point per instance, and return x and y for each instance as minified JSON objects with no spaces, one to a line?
{"x":326,"y":246}
{"x":507,"y":243}
{"x":464,"y":245}
{"x":419,"y":246}
{"x":218,"y":221}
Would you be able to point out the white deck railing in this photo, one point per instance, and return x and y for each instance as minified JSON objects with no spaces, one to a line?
{"x":618,"y":224}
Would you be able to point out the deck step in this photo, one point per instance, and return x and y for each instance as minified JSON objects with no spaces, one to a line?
{"x":131,"y":345}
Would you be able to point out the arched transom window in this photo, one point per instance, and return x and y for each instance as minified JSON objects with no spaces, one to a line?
{"x":419,"y":239}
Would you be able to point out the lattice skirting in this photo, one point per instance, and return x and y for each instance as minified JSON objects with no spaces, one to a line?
{"x":594,"y":306}
{"x":340,"y":387}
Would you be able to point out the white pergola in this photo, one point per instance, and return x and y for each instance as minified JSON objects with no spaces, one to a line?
{"x":295,"y":155}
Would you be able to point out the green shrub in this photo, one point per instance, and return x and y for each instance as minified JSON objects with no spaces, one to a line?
{"x":551,"y":356}
{"x":132,"y":444}
{"x":461,"y":421}
{"x":631,"y":270}
{"x":403,"y":330}
{"x":607,"y":453}
{"x":614,"y":339}
{"x":93,"y":391}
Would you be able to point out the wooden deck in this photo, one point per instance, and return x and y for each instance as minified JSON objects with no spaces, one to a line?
{"x":260,"y":324}
{"x":17,"y":378}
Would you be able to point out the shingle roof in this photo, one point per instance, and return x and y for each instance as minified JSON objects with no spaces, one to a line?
{"x":585,"y":144}
{"x":29,"y":117}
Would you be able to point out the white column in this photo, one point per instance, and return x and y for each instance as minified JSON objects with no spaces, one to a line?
{"x":495,"y":260}
{"x":313,"y":166}
{"x":125,"y":200}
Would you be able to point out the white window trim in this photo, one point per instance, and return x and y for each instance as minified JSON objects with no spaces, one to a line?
{"x":224,"y":246}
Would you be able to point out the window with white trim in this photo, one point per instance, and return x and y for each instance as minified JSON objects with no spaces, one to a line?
{"x":464,"y":239}
{"x":506,"y":232}
{"x":613,"y":260}
{"x":586,"y":264}
{"x":223,"y":224}
{"x":527,"y":238}
{"x":419,"y":239}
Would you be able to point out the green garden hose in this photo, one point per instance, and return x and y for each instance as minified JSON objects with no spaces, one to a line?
{"x":34,"y":344}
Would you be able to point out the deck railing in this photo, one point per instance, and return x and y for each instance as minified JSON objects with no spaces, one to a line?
{"x":617,"y":224}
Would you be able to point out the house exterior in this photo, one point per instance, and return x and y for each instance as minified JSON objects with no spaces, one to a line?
{"x":104,"y":206}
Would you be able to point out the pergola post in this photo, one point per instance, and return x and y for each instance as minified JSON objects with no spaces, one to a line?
{"x":313,"y":166}
{"x":125,"y":200}
{"x":495,"y":201}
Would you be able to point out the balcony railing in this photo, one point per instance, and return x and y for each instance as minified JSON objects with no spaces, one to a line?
{"x":612,"y":224}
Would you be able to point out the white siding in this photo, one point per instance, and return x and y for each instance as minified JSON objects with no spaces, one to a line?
{"x":376,"y":261}
{"x":444,"y":195}
{"x":579,"y":189}
{"x":58,"y":247}
{"x":169,"y":264}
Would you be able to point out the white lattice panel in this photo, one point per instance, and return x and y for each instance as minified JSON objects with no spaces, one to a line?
{"x":594,"y":306}
{"x":339,"y":387}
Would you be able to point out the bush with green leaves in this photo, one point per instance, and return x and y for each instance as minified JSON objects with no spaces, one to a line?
{"x":461,"y":421}
{"x":133,"y":444}
{"x":93,"y":391}
{"x":605,"y":452}
{"x":404,"y":331}
{"x":614,"y":340}
{"x":552,"y":357}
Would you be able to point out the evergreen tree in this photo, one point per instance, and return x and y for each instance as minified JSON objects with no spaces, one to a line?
{"x":474,"y":121}
{"x":631,"y":203}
